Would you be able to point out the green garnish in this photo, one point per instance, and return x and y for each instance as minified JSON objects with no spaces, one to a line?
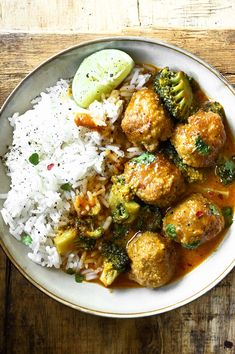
{"x":79,"y":278}
{"x":171,"y":231}
{"x":34,"y":159}
{"x":26,"y":239}
{"x":66,"y":187}
{"x":214,"y":210}
{"x":201,"y":147}
{"x":145,"y":158}
{"x":228,"y":215}
{"x":226,"y":171}
{"x":192,"y":245}
{"x":70,"y":271}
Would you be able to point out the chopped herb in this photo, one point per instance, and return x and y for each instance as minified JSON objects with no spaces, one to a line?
{"x":145,"y":158}
{"x":192,"y":245}
{"x":79,"y":278}
{"x":228,"y":215}
{"x":34,"y":159}
{"x":66,"y":187}
{"x":26,"y":239}
{"x":226,"y":171}
{"x":70,"y":271}
{"x":171,"y":231}
{"x":201,"y":147}
{"x":214,"y":210}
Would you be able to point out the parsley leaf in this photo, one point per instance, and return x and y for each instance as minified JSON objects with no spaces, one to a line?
{"x":26,"y":239}
{"x":66,"y":187}
{"x":79,"y":278}
{"x":226,"y":171}
{"x":201,"y":147}
{"x":192,"y":245}
{"x":34,"y":159}
{"x":171,"y":231}
{"x":228,"y":215}
{"x":214,"y":210}
{"x":145,"y":158}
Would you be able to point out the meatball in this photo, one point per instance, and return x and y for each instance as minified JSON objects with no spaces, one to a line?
{"x":193,"y":221}
{"x":158,"y":182}
{"x":145,"y":121}
{"x":199,"y":141}
{"x":153,"y":259}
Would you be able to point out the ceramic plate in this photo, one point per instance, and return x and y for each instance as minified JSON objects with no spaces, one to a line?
{"x":93,"y":298}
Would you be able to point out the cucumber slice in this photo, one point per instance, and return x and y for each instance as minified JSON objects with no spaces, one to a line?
{"x":100,"y":73}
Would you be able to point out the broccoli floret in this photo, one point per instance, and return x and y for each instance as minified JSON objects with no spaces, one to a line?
{"x":215,"y":107}
{"x":149,"y":218}
{"x":85,"y":243}
{"x":226,"y":171}
{"x":175,"y":91}
{"x":116,"y":261}
{"x":116,"y":255}
{"x":123,"y":208}
{"x":191,"y":174}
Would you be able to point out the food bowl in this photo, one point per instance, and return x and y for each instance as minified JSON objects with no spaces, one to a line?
{"x":91,"y":297}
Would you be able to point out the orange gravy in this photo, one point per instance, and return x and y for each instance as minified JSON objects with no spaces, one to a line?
{"x":189,"y":259}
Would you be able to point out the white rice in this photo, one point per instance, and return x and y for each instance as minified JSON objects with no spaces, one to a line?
{"x":35,"y":202}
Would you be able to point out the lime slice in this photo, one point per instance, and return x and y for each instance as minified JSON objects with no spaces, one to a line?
{"x":100,"y":73}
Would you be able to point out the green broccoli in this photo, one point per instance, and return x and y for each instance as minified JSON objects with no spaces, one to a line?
{"x":116,"y":261}
{"x":84,"y":242}
{"x":191,"y":174}
{"x":175,"y":91}
{"x":149,"y":218}
{"x":215,"y":107}
{"x":123,"y":208}
{"x":226,"y":171}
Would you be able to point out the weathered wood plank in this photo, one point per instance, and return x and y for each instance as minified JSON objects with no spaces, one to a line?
{"x":38,"y":324}
{"x":103,"y":16}
{"x":34,"y":323}
{"x":20,"y":53}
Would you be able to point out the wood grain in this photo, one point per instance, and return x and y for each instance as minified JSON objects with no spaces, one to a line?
{"x":33,"y":323}
{"x":103,"y":16}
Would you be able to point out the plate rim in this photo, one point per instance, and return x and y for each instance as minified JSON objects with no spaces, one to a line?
{"x":57,"y":297}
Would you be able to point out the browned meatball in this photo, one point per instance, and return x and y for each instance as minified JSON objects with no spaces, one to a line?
{"x":145,"y":121}
{"x":158,"y":182}
{"x":193,"y":221}
{"x":153,"y":259}
{"x":199,"y":141}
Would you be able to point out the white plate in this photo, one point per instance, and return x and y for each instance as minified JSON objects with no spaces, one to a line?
{"x":93,"y":298}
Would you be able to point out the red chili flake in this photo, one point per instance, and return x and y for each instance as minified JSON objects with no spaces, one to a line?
{"x":212,"y":194}
{"x":49,"y":167}
{"x":199,"y":214}
{"x":221,"y":196}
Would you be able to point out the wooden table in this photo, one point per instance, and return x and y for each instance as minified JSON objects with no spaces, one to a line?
{"x":33,"y":323}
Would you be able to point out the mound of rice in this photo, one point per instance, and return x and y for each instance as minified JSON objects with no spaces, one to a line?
{"x":67,"y":154}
